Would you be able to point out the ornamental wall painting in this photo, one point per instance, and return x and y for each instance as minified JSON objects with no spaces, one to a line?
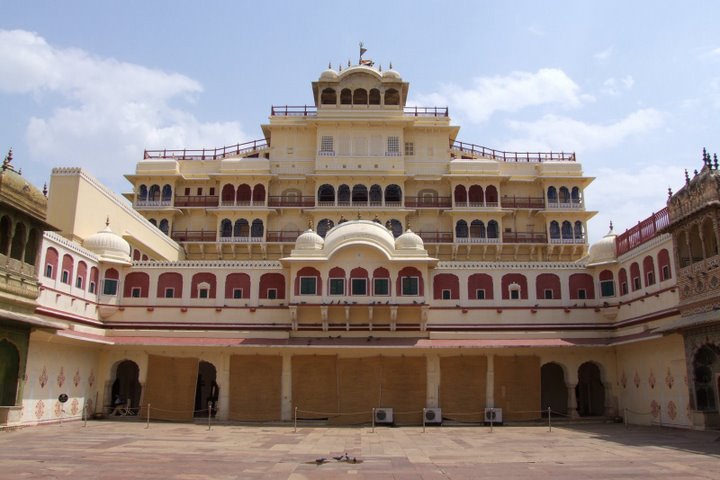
{"x":636,"y":379}
{"x":74,"y":407}
{"x":43,"y":378}
{"x":61,"y":377}
{"x":669,"y":379}
{"x":91,"y":378}
{"x":652,"y":380}
{"x":655,"y":409}
{"x":672,"y":410}
{"x":76,"y":378}
{"x":39,"y":409}
{"x":623,"y":379}
{"x":58,"y":410}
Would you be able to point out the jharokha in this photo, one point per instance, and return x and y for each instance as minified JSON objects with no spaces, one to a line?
{"x":357,"y":260}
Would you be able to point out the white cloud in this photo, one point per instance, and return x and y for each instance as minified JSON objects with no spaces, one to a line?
{"x":110,"y":110}
{"x":604,"y":54}
{"x":509,"y":93}
{"x":614,"y":86}
{"x":556,"y":133}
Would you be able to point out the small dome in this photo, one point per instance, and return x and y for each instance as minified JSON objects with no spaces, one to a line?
{"x":329,"y":75}
{"x":603,"y":251}
{"x":109,"y":246}
{"x":309,"y":240}
{"x":409,"y":241}
{"x":391,"y":75}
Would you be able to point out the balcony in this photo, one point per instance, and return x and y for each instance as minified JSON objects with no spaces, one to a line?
{"x":575,"y":204}
{"x":359,"y":204}
{"x":515,"y":201}
{"x":524,"y":237}
{"x":193,"y":236}
{"x":251,"y":148}
{"x":196,"y":201}
{"x":425,"y":202}
{"x":311,"y":111}
{"x":242,"y":203}
{"x":480,"y":240}
{"x":472,"y":151}
{"x":568,"y":241}
{"x":153,"y":203}
{"x":283,"y":237}
{"x":494,"y":204}
{"x":241,"y":239}
{"x":297,"y":202}
{"x":436,"y":237}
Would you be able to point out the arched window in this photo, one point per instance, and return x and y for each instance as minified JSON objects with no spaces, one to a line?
{"x":242,"y":228}
{"x":154,"y":194}
{"x":228,"y":193}
{"x":32,"y":246}
{"x":226,"y":228}
{"x":153,"y":221}
{"x":143,"y":193}
{"x":336,"y":281}
{"x":696,"y":250}
{"x":94,"y":276}
{"x":136,"y":255}
{"x":476,"y":196}
{"x":308,"y":282}
{"x":257,"y":230}
{"x":622,"y":278}
{"x":343,"y":195}
{"x":359,"y":194}
{"x":360,"y":96}
{"x":491,"y":195}
{"x":567,"y":230}
{"x":564,"y":195}
{"x":461,"y":229}
{"x":67,"y":269}
{"x":392,"y":97}
{"x":359,"y":282}
{"x":346,"y":96}
{"x":579,"y":230}
{"x":514,"y":287}
{"x":649,"y":270}
{"x":381,"y":282}
{"x":258,"y":194}
{"x":575,"y":195}
{"x":477,"y":229}
{"x":203,"y":285}
{"x":480,"y":287}
{"x":164,"y":226}
{"x":409,"y":282}
{"x":396,"y":227}
{"x":460,"y":195}
{"x":136,"y":285}
{"x":272,"y":286}
{"x":328,"y":97}
{"x":552,"y":195}
{"x":493,"y":231}
{"x":376,"y":195}
{"x":170,"y":285}
{"x":393,"y":194}
{"x":244,"y":194}
{"x":5,"y":235}
{"x":374,"y":96}
{"x":446,"y":286}
{"x":554,"y":230}
{"x":607,"y":284}
{"x":18,"y":243}
{"x":81,"y":277}
{"x":110,"y":284}
{"x":706,"y":366}
{"x":635,"y":276}
{"x":326,"y":193}
{"x":664,"y":265}
{"x":708,"y":235}
{"x":166,"y":193}
{"x":582,"y":286}
{"x":323,"y":226}
{"x":237,"y":285}
{"x":547,"y":287}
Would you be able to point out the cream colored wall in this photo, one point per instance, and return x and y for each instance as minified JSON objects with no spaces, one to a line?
{"x":652,"y":382}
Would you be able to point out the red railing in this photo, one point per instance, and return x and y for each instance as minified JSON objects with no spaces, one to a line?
{"x":524,"y":237}
{"x":642,"y":232}
{"x":196,"y":201}
{"x":193,"y":236}
{"x":532,"y":157}
{"x":522,"y":202}
{"x":278,"y":201}
{"x":422,"y":202}
{"x":207,"y":153}
{"x":311,"y":111}
{"x":282,"y":237}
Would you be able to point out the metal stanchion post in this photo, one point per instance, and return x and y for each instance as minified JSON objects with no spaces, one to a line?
{"x":492,"y":417}
{"x":373,"y":420}
{"x":549,"y":420}
{"x":295,"y":421}
{"x":424,"y":410}
{"x":84,"y":414}
{"x":209,"y":414}
{"x":626,"y":419}
{"x":147,"y":425}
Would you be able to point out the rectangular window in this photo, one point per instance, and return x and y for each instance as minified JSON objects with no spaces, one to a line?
{"x":409,"y":149}
{"x":393,"y":145}
{"x":410,"y":286}
{"x":110,"y":286}
{"x":582,"y":294}
{"x":636,"y":283}
{"x":135,"y":292}
{"x":169,"y":292}
{"x":480,"y":294}
{"x":237,"y":293}
{"x":199,"y":190}
{"x":187,"y":191}
{"x":514,"y":294}
{"x":651,"y":278}
{"x":203,"y":293}
{"x":48,"y":270}
{"x":548,"y":294}
{"x":337,"y":286}
{"x":212,"y":191}
{"x":91,"y":289}
{"x":623,"y":289}
{"x":327,"y":144}
{"x":272,"y":293}
{"x":308,"y":286}
{"x":446,"y":294}
{"x":665,"y":272}
{"x":358,"y":286}
{"x":65,"y":277}
{"x":381,"y":286}
{"x":607,"y":288}
{"x":78,"y":282}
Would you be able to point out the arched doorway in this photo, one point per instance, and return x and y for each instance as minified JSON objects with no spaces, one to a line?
{"x":207,"y":389}
{"x":706,"y":366}
{"x":590,"y":391}
{"x":9,"y":368}
{"x":553,"y":391}
{"x":127,"y":383}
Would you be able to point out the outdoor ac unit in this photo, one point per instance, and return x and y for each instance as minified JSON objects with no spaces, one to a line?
{"x":433,"y":416}
{"x":383,"y":415}
{"x":493,"y":415}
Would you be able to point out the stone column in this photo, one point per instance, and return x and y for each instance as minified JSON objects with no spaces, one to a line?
{"x":286,"y":388}
{"x":490,"y":382}
{"x":610,"y":407}
{"x":572,"y":400}
{"x":433,"y":380}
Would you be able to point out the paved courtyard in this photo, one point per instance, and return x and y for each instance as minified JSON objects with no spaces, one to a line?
{"x":127,"y":450}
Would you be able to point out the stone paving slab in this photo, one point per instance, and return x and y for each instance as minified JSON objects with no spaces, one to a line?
{"x":127,"y":450}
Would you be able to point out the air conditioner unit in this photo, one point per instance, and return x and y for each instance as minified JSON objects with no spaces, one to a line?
{"x":493,"y":415}
{"x":433,"y":416}
{"x":383,"y":415}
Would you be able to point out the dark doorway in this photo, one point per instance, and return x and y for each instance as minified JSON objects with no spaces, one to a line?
{"x":554,"y":393}
{"x":706,"y":365}
{"x":127,"y":384}
{"x":207,"y":389}
{"x":9,"y":368}
{"x":590,"y":391}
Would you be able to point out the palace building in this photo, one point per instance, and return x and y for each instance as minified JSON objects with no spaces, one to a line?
{"x":357,"y":257}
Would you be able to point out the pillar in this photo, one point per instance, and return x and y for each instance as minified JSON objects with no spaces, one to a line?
{"x":286,"y":388}
{"x":490,"y":382}
{"x":572,"y":400}
{"x":433,"y":380}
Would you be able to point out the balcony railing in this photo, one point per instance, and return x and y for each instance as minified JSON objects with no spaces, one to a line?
{"x":478,"y":151}
{"x":436,"y":237}
{"x":193,"y":236}
{"x":242,"y":203}
{"x":196,"y":201}
{"x":424,"y":202}
{"x":241,"y":239}
{"x":283,"y":237}
{"x":515,"y":201}
{"x":359,"y":203}
{"x":239,"y":149}
{"x":278,"y":201}
{"x":642,"y":232}
{"x":459,"y":204}
{"x":311,"y":111}
{"x":568,"y":241}
{"x":574,"y":204}
{"x":153,"y":203}
{"x":524,"y":237}
{"x":476,"y":240}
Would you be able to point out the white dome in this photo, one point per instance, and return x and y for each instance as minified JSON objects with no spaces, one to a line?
{"x":391,"y":75}
{"x":328,"y":75}
{"x":603,"y":251}
{"x":109,"y":246}
{"x":359,"y":231}
{"x":409,"y":241}
{"x":309,"y":240}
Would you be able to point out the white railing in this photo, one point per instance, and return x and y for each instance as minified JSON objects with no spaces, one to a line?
{"x":567,"y":241}
{"x":573,"y":204}
{"x":476,"y":240}
{"x":241,"y":239}
{"x":153,"y":203}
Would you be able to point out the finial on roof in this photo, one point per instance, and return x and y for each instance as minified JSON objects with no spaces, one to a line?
{"x":8,"y":160}
{"x":310,"y":223}
{"x":705,"y":156}
{"x":695,"y":172}
{"x":20,"y":172}
{"x":379,"y":68}
{"x":107,"y":221}
{"x":715,"y":161}
{"x":348,"y":62}
{"x":329,"y":65}
{"x":687,"y":177}
{"x":611,"y":226}
{"x":407,"y":229}
{"x":390,"y":65}
{"x":45,"y":190}
{"x":669,"y":192}
{"x":339,"y":67}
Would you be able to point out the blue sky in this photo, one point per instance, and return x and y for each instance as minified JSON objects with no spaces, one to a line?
{"x":632,"y":87}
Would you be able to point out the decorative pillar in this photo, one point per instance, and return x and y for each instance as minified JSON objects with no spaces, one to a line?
{"x":432,"y":398}
{"x":286,"y":388}
{"x":572,"y":400}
